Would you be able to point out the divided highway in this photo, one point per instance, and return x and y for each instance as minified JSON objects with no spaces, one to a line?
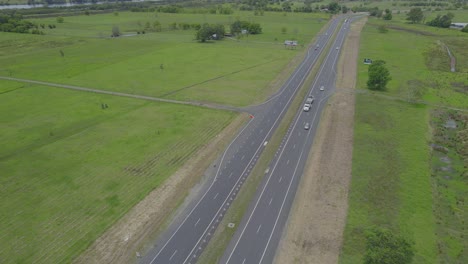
{"x":259,"y":233}
{"x":187,"y":236}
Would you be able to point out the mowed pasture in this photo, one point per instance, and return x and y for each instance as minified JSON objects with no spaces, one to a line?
{"x":71,"y":168}
{"x":391,"y":177}
{"x":233,"y":72}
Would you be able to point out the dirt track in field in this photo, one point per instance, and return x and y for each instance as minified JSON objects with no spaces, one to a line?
{"x":315,"y":227}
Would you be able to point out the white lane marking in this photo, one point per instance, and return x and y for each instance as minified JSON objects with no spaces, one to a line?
{"x":271,"y":200}
{"x":201,"y":199}
{"x":289,"y":187}
{"x":294,"y":146}
{"x":277,"y":118}
{"x":173,"y":254}
{"x":243,"y":157}
{"x":281,"y":178}
{"x":230,"y":175}
{"x":258,"y":229}
{"x":215,"y":196}
{"x":266,"y":184}
{"x":243,"y":261}
{"x":287,"y":162}
{"x":197,"y":222}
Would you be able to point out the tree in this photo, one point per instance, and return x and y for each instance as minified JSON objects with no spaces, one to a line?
{"x":379,"y":76}
{"x":382,"y":29}
{"x":115,"y":31}
{"x":442,"y":21}
{"x":384,"y":247}
{"x":415,"y":15}
{"x":388,"y":15}
{"x":60,"y":19}
{"x":207,"y":32}
{"x":465,"y":29}
{"x":334,"y":7}
{"x":344,"y":9}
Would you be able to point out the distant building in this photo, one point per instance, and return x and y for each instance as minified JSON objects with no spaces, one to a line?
{"x":458,"y":25}
{"x":290,"y":43}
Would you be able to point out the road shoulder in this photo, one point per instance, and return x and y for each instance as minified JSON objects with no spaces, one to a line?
{"x":315,"y":226}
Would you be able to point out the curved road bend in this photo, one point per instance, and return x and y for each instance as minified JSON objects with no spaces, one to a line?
{"x":259,"y":232}
{"x":187,"y":236}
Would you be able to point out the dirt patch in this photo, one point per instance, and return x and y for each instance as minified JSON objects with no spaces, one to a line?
{"x":315,"y":227}
{"x":121,"y":242}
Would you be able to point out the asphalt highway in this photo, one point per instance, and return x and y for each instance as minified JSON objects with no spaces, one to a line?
{"x":259,"y":232}
{"x":188,"y":235}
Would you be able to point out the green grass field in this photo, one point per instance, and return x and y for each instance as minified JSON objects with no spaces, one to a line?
{"x":228,"y":72}
{"x":70,"y":169}
{"x":392,"y":185}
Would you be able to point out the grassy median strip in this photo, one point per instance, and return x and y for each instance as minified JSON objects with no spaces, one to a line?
{"x":221,"y":238}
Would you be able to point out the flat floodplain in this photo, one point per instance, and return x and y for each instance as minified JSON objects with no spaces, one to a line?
{"x":228,"y":72}
{"x":72,"y":163}
{"x":391,"y":184}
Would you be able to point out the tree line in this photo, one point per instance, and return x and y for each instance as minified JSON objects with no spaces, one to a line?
{"x":15,"y":23}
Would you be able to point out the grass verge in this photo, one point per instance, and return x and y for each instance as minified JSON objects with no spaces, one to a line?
{"x":221,"y":238}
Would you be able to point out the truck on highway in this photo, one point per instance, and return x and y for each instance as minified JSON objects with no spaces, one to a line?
{"x":310,"y":100}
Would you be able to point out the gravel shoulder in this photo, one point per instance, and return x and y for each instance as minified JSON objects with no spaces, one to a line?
{"x":315,"y":226}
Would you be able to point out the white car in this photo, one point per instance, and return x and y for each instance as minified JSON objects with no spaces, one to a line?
{"x":337,"y":48}
{"x":322,"y":88}
{"x":306,"y":126}
{"x":306,"y":107}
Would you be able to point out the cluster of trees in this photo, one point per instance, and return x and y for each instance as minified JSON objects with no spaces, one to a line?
{"x":210,"y":32}
{"x":251,"y":28}
{"x":15,"y":23}
{"x":442,"y":21}
{"x":385,"y":247}
{"x":415,"y":15}
{"x":387,"y":15}
{"x":379,"y":76}
{"x":216,"y":31}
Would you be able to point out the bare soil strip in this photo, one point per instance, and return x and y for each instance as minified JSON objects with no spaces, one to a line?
{"x":120,"y":243}
{"x":315,"y":227}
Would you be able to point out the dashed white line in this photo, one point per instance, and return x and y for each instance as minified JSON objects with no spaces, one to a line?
{"x":243,"y":261}
{"x":271,"y":200}
{"x":294,"y":146}
{"x":287,"y":162}
{"x":243,"y":157}
{"x":215,"y":196}
{"x":230,"y":175}
{"x":258,"y":229}
{"x":281,"y":178}
{"x":197,"y":222}
{"x":173,"y":254}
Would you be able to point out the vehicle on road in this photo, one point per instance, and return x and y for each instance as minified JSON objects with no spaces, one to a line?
{"x":306,"y":126}
{"x":322,"y":88}
{"x":310,"y":100}
{"x":337,"y":48}
{"x":306,"y":107}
